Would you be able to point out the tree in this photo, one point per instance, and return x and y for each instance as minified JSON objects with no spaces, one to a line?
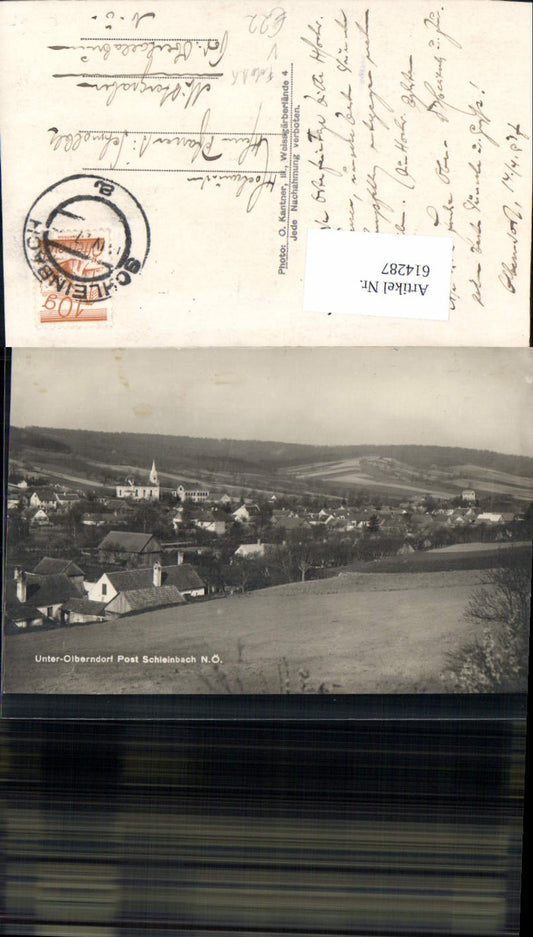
{"x":246,"y":573}
{"x":72,"y":517}
{"x":430,"y":504}
{"x":149,"y":517}
{"x":526,"y":527}
{"x":497,"y":660}
{"x":18,"y":529}
{"x":304,"y":551}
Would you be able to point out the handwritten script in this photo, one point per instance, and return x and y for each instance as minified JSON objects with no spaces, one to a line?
{"x":412,"y":146}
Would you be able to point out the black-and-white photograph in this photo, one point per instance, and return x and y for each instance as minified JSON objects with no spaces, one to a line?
{"x":269,"y":521}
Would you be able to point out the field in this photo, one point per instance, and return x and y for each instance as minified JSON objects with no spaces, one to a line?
{"x":459,"y":556}
{"x":395,"y":478}
{"x":356,"y":633}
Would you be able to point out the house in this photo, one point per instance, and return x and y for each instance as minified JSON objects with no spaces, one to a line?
{"x":65,"y":499}
{"x":252,"y":551}
{"x":196,"y":495}
{"x":145,"y":599}
{"x":313,"y":519}
{"x":392,"y":524}
{"x":129,"y":546}
{"x":136,"y":586}
{"x":53,"y":566}
{"x":212,"y":525}
{"x":45,"y":593}
{"x":323,"y":517}
{"x":346,"y":519}
{"x":82,"y":611}
{"x":280,"y":514}
{"x":18,"y":613}
{"x":99,"y":520}
{"x":457,"y":519}
{"x":468,"y":495}
{"x":177,"y":520}
{"x":362,"y":519}
{"x":148,"y":492}
{"x":43,"y":498}
{"x":39,"y":518}
{"x":118,"y":506}
{"x":487,"y":517}
{"x":289,"y":520}
{"x":246,"y":513}
{"x":93,"y":572}
{"x":214,"y":521}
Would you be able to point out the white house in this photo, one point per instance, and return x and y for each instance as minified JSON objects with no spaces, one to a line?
{"x":252,"y":551}
{"x":97,"y":520}
{"x":246,"y":513}
{"x":65,"y":499}
{"x":196,"y":495}
{"x":211,"y":525}
{"x":213,"y":520}
{"x":182,"y":578}
{"x":40,"y":518}
{"x":43,"y":498}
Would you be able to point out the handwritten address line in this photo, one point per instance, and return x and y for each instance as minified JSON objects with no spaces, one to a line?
{"x":191,"y":133}
{"x":142,"y":75}
{"x":214,"y":172}
{"x":141,"y":39}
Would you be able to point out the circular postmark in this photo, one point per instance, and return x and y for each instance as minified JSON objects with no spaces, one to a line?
{"x":85,"y":237}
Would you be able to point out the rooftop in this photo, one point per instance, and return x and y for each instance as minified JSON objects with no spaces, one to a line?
{"x":50,"y":565}
{"x":130,"y":542}
{"x":183,"y":577}
{"x":154,"y":597}
{"x":43,"y":590}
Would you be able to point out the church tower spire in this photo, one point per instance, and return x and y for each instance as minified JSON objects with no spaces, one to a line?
{"x":153,"y":477}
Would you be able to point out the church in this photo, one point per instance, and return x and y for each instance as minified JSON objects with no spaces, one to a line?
{"x":149,"y":492}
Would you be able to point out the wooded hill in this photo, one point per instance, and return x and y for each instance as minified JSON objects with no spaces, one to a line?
{"x":175,"y":453}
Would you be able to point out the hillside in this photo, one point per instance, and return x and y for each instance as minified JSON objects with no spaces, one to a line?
{"x":174,"y":452}
{"x":356,"y":633}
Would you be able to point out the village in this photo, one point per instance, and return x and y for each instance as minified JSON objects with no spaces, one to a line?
{"x":77,"y":556}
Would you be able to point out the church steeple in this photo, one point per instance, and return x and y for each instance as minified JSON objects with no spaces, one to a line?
{"x":154,"y":477}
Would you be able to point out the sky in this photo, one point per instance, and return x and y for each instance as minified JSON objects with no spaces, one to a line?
{"x":470,"y":397}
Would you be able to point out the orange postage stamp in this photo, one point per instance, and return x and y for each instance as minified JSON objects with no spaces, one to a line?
{"x":84,"y":238}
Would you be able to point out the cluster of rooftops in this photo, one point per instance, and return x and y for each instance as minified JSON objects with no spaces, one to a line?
{"x":58,"y":591}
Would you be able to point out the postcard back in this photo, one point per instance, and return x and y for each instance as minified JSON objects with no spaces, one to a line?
{"x":163,"y":165}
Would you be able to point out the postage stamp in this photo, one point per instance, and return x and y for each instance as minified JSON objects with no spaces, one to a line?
{"x":85,"y":237}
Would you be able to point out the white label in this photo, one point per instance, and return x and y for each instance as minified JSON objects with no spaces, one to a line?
{"x":404,"y":276}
